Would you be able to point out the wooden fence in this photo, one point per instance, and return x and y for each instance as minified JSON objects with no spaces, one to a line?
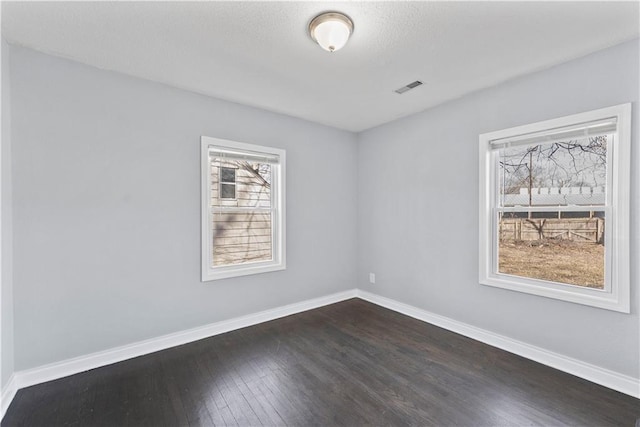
{"x":576,"y":229}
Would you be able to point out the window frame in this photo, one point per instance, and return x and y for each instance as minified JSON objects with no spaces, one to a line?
{"x":616,"y":293}
{"x":278,"y":205}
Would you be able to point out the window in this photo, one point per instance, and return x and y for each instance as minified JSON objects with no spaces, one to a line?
{"x":243,"y":200}
{"x":227,"y":183}
{"x":554,"y":208}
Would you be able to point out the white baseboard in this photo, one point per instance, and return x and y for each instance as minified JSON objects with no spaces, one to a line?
{"x":76,"y":365}
{"x":8,"y":393}
{"x":614,"y":380}
{"x":26,"y":378}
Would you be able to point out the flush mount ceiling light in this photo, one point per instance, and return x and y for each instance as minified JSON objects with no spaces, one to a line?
{"x":331,"y":30}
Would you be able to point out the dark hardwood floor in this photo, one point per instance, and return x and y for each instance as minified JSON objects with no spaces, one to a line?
{"x":350,"y":363}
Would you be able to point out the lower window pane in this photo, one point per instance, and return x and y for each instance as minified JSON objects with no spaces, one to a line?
{"x":239,"y":238}
{"x":227,"y":191}
{"x":565,"y":247}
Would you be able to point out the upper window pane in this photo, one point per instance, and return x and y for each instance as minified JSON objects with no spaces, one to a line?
{"x":227,"y":174}
{"x":563,"y":173}
{"x":240,"y":183}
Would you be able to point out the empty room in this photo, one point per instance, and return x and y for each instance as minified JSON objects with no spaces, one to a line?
{"x":320,"y":213}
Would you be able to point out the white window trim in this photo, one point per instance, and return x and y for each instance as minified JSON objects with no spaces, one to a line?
{"x":616,"y":295}
{"x":279,"y":223}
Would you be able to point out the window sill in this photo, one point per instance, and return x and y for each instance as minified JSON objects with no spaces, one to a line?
{"x":586,"y":296}
{"x":229,"y":272}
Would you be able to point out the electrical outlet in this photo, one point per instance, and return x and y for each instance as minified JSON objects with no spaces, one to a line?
{"x":372,"y":278}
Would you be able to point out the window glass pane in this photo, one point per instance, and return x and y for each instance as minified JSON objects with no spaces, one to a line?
{"x":227,"y":174}
{"x":241,"y":237}
{"x":227,"y":191}
{"x":253,"y":184}
{"x":252,"y":187}
{"x":567,"y":173}
{"x":565,"y":247}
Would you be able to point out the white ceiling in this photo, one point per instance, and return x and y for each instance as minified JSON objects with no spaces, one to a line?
{"x":259,"y":53}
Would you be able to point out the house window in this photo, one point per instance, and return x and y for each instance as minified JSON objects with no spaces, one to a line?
{"x":227,"y":183}
{"x":554,"y":208}
{"x":243,"y":200}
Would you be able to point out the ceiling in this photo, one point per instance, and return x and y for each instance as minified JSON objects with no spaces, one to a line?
{"x":260,"y":54}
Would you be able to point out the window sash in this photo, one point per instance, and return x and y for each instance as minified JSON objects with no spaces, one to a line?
{"x":274,"y":241}
{"x":494,"y":152}
{"x":609,"y":186}
{"x":608,"y":263}
{"x":584,"y":130}
{"x":275,"y":220}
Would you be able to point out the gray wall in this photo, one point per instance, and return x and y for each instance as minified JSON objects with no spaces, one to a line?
{"x":106,"y":210}
{"x":418,"y":204}
{"x":106,"y":195}
{"x":6,"y":231}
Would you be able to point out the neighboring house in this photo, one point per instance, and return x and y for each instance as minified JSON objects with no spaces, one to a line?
{"x":241,"y":191}
{"x":556,"y":196}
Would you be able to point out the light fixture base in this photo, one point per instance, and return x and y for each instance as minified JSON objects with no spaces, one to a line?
{"x":331,"y":30}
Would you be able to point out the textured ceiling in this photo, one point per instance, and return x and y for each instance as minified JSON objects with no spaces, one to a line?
{"x":259,"y":53}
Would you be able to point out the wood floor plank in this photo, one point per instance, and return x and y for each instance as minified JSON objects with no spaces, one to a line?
{"x":346,"y":364}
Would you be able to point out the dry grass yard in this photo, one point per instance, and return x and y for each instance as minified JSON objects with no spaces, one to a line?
{"x":556,"y":260}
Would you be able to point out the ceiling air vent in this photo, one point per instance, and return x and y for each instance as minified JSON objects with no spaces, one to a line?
{"x":410,"y":86}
